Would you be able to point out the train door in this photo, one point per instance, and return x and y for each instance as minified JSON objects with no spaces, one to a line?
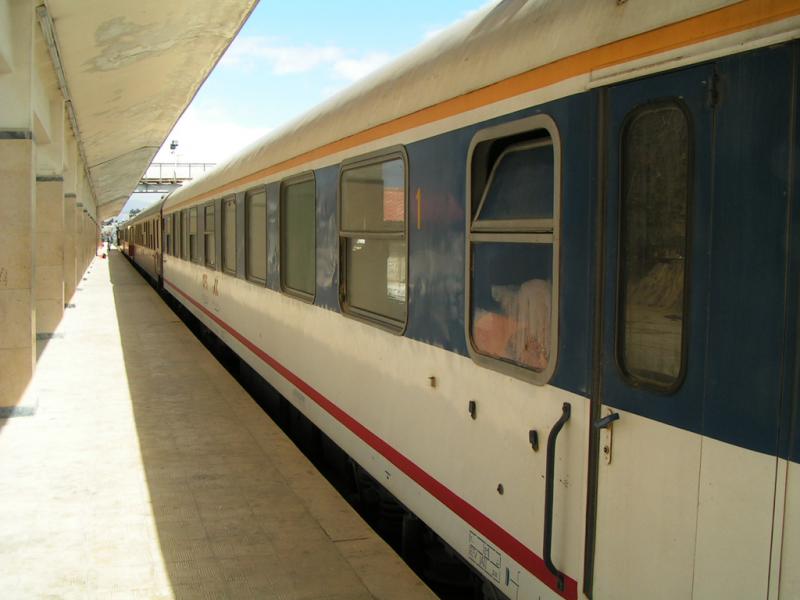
{"x":658,"y":174}
{"x":692,"y":330}
{"x":157,"y":238}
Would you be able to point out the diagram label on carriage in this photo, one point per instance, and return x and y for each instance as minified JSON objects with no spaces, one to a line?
{"x":484,"y":555}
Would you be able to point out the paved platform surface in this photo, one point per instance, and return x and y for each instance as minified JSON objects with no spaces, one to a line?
{"x":147,"y":472}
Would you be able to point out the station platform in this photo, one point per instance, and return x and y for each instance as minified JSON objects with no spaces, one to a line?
{"x":145,"y":471}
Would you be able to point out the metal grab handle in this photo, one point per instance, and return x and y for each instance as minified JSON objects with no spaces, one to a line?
{"x":606,"y":421}
{"x":566,"y":410}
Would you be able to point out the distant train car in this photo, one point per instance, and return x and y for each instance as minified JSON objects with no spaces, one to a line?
{"x":540,"y":279}
{"x":141,"y":240}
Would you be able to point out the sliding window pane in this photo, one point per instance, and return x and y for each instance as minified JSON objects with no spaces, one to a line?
{"x":655,"y":198}
{"x":298,"y":225}
{"x":229,"y":241}
{"x":209,"y":237}
{"x":256,"y":217}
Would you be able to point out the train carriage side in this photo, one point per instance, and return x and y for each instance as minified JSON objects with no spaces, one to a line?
{"x":562,"y":335}
{"x":366,"y":353}
{"x":143,"y":242}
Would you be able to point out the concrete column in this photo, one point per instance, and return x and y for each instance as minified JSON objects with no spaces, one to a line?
{"x":70,"y":266}
{"x":78,"y":242}
{"x":49,"y":253}
{"x":17,"y":205}
{"x":87,"y":240}
{"x":83,"y":226}
{"x":50,"y":208}
{"x":81,"y":245}
{"x":17,"y":269}
{"x":71,"y":165}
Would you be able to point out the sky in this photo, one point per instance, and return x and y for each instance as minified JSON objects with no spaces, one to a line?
{"x":291,"y":56}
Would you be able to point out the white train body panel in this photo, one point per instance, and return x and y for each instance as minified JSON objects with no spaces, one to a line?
{"x":787,"y":577}
{"x":382,"y":382}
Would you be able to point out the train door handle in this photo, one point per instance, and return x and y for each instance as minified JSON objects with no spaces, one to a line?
{"x":605,"y":426}
{"x":566,"y":410}
{"x":606,"y":421}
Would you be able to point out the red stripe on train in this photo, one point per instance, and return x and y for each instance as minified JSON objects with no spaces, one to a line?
{"x":483,"y":524}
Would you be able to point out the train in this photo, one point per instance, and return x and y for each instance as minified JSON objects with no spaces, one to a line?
{"x":538,"y":278}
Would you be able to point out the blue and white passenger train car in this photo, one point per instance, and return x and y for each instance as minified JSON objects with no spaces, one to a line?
{"x":539,"y":278}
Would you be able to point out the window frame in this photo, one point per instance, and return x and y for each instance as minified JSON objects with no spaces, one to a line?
{"x":167,"y":229}
{"x":225,"y":201}
{"x":365,"y":316}
{"x":247,"y":275}
{"x":185,"y":249}
{"x":523,"y":231}
{"x":196,"y":257}
{"x":624,"y":374}
{"x":207,"y":233}
{"x":294,"y":180}
{"x":176,"y":236}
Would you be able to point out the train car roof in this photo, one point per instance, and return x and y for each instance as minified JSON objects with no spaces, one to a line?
{"x":147,"y":213}
{"x":504,"y":40}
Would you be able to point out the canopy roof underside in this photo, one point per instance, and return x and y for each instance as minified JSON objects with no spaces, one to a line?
{"x":131,"y":68}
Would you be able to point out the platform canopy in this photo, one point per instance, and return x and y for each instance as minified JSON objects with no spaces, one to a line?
{"x":131,"y":67}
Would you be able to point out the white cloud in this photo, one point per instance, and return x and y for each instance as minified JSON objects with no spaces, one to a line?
{"x":356,"y":68}
{"x":432,"y":33}
{"x":247,"y":53}
{"x":208,"y":135}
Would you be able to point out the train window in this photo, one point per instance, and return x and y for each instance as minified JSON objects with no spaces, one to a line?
{"x":298,"y":237}
{"x":229,"y":235}
{"x":512,"y":248}
{"x":193,"y":253}
{"x":255,"y":212}
{"x":185,"y":234}
{"x":209,"y":236}
{"x":655,"y":154}
{"x":168,"y":234}
{"x":372,"y":239}
{"x":176,"y":234}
